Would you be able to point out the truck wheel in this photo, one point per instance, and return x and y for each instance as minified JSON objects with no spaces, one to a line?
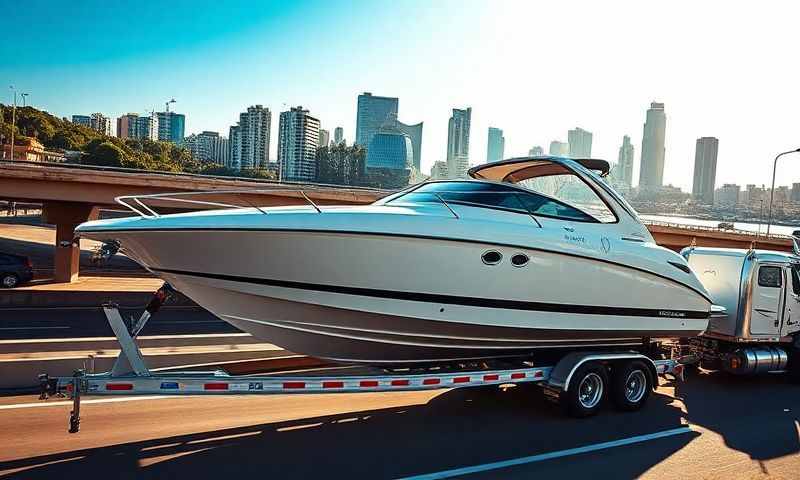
{"x":8,"y":280}
{"x":586,"y":390}
{"x":631,"y":384}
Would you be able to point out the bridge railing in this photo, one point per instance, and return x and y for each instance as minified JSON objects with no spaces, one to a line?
{"x":704,"y":228}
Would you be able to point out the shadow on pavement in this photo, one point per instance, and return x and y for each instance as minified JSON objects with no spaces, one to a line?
{"x":740,"y":409}
{"x":455,"y":429}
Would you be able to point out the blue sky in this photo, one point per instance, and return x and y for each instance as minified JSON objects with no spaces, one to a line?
{"x":534,"y":69}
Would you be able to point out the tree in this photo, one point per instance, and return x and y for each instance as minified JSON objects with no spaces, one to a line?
{"x":107,"y":154}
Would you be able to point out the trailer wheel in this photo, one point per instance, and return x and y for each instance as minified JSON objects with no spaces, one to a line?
{"x":586,"y":390}
{"x":631,"y":383}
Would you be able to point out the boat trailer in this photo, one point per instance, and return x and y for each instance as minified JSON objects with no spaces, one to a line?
{"x":130,"y":375}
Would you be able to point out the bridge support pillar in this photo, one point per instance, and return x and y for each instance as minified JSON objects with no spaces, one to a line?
{"x":66,"y":216}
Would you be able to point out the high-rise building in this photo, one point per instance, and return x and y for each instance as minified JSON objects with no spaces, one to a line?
{"x":131,"y":125}
{"x":84,"y":120}
{"x":580,"y":143}
{"x":458,"y":129}
{"x":171,"y":126}
{"x":390,"y":149}
{"x":95,"y":121}
{"x":651,"y":170}
{"x":338,"y":135}
{"x":559,"y":149}
{"x":625,"y":162}
{"x":373,"y":113}
{"x":705,"y":169}
{"x":208,"y":147}
{"x":439,"y":170}
{"x":495,"y":145}
{"x":298,"y":138}
{"x":795,"y":195}
{"x":250,"y":139}
{"x":235,"y":146}
{"x":324,"y":138}
{"x":536,"y":151}
{"x":101,"y":123}
{"x":414,"y":133}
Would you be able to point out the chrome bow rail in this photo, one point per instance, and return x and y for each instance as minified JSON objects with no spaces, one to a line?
{"x":136,"y":203}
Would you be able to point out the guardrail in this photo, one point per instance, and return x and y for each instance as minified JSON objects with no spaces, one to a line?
{"x":701,"y":228}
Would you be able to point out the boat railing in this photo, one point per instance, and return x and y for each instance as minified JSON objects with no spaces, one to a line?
{"x":139,"y":203}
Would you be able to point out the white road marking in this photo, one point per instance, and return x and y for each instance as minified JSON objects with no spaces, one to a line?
{"x":550,"y":455}
{"x":94,"y":400}
{"x":34,"y":328}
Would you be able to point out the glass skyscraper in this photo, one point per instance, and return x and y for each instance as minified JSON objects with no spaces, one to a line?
{"x":496,"y":145}
{"x":373,"y":113}
{"x":390,"y":149}
{"x":651,"y":170}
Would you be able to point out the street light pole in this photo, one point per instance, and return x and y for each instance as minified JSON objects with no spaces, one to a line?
{"x":772,"y":190}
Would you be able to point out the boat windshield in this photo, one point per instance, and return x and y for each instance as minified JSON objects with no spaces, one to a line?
{"x":496,"y":196}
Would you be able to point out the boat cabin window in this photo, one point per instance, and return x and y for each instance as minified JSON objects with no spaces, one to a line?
{"x":492,"y":195}
{"x":769,"y":277}
{"x":562,"y":184}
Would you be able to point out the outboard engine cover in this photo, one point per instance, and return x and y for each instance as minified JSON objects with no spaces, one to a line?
{"x":755,"y":360}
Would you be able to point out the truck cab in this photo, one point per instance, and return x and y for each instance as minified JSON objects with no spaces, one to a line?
{"x":760,"y":291}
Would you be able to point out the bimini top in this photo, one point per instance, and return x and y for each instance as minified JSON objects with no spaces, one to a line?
{"x":515,"y":170}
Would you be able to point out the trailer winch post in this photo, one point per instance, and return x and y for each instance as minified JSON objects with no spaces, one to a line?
{"x":75,"y":414}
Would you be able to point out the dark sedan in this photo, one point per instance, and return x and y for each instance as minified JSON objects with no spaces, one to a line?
{"x":14,"y":270}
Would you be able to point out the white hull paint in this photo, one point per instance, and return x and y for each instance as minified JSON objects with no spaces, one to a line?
{"x":231,"y":273}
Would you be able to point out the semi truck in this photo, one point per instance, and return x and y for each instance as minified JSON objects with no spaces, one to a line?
{"x":759,"y":331}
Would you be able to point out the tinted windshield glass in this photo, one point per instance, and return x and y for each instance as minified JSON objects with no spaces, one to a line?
{"x":492,"y":195}
{"x":571,"y":190}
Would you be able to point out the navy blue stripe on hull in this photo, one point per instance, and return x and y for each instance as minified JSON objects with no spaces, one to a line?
{"x":452,"y":299}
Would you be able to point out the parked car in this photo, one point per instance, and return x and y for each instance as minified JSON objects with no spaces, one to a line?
{"x":14,"y":270}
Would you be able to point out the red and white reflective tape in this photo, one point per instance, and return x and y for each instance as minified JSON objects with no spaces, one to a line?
{"x":220,"y":384}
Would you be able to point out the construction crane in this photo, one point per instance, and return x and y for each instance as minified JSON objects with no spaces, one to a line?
{"x":167,"y":104}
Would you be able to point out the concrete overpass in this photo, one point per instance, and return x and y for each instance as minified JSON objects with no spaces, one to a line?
{"x":71,"y":194}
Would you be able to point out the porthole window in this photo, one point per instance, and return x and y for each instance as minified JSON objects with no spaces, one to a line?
{"x":519,"y":260}
{"x":492,"y":257}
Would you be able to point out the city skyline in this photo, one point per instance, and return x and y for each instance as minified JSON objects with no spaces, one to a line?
{"x":238,"y":54}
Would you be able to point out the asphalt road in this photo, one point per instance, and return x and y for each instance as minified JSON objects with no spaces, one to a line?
{"x":91,"y":322}
{"x":736,"y":429}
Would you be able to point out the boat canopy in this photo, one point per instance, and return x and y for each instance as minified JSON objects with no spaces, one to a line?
{"x":516,"y":170}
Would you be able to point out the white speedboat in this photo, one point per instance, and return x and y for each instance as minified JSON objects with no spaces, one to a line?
{"x":535,"y":254}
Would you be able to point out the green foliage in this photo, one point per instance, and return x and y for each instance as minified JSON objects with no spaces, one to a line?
{"x":61,"y":134}
{"x":341,"y":164}
{"x":108,"y":155}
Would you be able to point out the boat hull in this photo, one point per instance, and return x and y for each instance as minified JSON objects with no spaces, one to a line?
{"x":402,"y":299}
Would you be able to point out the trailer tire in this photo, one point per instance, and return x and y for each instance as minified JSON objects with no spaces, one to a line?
{"x":631,"y":384}
{"x":586,"y":390}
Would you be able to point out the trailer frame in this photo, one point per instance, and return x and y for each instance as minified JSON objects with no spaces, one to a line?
{"x":131,"y":376}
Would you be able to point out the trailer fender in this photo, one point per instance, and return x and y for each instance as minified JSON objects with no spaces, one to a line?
{"x":565,"y":368}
